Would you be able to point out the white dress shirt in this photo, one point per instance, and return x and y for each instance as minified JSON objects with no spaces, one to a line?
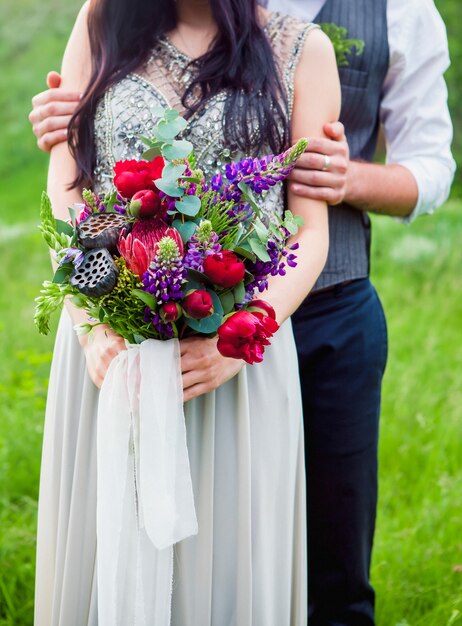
{"x":413,"y":110}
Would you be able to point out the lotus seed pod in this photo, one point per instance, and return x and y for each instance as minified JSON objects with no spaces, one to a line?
{"x":97,"y":275}
{"x":102,"y":230}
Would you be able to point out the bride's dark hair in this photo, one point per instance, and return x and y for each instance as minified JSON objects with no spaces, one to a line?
{"x":240,"y":60}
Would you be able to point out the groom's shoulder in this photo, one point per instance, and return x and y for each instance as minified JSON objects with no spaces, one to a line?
{"x":413,"y":14}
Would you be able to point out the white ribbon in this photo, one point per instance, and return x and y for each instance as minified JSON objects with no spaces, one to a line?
{"x":144,"y":496}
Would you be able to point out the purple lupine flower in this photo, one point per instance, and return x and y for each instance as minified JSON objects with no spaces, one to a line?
{"x":262,"y":270}
{"x":217,"y":182}
{"x":163,"y":328}
{"x":166,"y":273}
{"x":120,"y":205}
{"x":202,"y":244}
{"x":259,"y":174}
{"x":240,"y":212}
{"x":92,"y":203}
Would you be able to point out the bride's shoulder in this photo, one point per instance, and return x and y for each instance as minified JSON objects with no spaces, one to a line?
{"x":76,"y":66}
{"x":289,"y":36}
{"x":281,"y":27}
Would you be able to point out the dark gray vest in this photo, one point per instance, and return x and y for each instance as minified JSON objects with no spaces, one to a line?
{"x":362,"y":82}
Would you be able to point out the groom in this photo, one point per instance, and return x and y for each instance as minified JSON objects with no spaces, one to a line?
{"x":340,"y":329}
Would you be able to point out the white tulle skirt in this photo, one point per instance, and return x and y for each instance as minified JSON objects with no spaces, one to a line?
{"x":247,"y":565}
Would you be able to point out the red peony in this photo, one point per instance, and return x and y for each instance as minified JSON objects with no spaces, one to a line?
{"x":224,"y":269}
{"x":146,"y":204}
{"x":198,"y":304}
{"x":244,"y":335}
{"x":139,"y":247}
{"x":261,"y":306}
{"x":133,"y":176}
{"x":170,"y":312}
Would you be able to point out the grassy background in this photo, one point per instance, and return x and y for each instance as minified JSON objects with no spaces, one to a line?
{"x":417,"y":271}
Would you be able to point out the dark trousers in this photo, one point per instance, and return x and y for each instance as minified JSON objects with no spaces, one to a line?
{"x":341,"y":340}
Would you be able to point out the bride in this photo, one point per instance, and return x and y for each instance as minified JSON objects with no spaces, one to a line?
{"x":248,"y":81}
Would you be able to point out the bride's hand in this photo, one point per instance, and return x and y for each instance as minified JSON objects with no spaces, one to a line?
{"x":100,"y":349}
{"x":203,"y":367}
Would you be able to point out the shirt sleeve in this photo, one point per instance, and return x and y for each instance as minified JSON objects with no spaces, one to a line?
{"x":414,"y":109}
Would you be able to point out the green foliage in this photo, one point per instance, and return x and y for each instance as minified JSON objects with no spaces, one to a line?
{"x":128,"y":321}
{"x":295,"y":152}
{"x":342,"y":45}
{"x":53,"y":231}
{"x":50,"y":300}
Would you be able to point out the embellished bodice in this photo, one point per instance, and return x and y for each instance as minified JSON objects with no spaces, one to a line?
{"x":126,"y":110}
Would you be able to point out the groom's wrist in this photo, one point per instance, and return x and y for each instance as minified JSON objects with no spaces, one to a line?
{"x":386,"y":189}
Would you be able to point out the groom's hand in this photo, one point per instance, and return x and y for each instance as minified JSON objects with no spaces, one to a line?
{"x":203,"y":367}
{"x":321,"y":173}
{"x":51,"y":113}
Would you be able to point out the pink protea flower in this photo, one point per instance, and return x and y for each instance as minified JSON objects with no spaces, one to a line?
{"x":139,"y":247}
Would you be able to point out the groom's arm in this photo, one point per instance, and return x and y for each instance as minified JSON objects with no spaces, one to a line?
{"x":419,"y":170}
{"x":390,"y":189}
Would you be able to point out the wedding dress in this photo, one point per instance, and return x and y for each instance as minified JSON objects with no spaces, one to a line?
{"x":247,"y":565}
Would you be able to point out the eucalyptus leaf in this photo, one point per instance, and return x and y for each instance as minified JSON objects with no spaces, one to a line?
{"x":291,"y":227}
{"x":241,"y":230}
{"x":137,"y":338}
{"x":197,"y":278}
{"x":259,"y":249}
{"x":239,"y":292}
{"x":248,"y":195}
{"x":186,"y":229}
{"x":227,"y":301}
{"x":158,"y":111}
{"x":276,"y":232}
{"x":188,"y":205}
{"x":145,"y":297}
{"x":296,"y":219}
{"x":260,"y":229}
{"x":245,"y":251}
{"x":168,"y":130}
{"x":210,"y":324}
{"x":63,"y":227}
{"x":148,"y":141}
{"x":173,"y":171}
{"x":177,"y":150}
{"x":169,"y":187}
{"x":152,"y":153}
{"x":171,"y":114}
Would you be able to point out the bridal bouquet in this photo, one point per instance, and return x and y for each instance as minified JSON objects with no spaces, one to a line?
{"x":168,"y":254}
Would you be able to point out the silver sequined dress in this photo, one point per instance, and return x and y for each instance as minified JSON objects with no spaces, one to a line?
{"x":247,"y":565}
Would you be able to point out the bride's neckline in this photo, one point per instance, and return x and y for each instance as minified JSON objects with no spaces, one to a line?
{"x":165,"y":40}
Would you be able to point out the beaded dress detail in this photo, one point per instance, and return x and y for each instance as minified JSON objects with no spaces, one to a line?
{"x":125,"y":112}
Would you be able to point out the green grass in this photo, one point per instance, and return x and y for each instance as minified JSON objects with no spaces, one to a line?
{"x":417,"y":272}
{"x":419,"y":538}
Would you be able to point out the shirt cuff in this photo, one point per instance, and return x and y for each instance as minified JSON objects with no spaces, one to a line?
{"x":434,"y":178}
